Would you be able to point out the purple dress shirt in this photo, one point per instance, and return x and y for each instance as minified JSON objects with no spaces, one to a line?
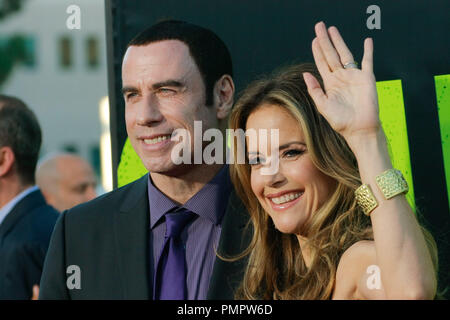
{"x":201,"y":236}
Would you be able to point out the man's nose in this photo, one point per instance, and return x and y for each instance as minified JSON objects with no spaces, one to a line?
{"x":149,"y":112}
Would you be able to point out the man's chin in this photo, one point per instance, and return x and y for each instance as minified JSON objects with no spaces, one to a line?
{"x":171,"y":170}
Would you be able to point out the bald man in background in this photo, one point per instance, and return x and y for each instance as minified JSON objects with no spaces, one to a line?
{"x":66,"y":180}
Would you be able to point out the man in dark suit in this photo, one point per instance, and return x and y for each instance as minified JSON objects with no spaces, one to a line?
{"x":26,"y":221}
{"x":123,"y":245}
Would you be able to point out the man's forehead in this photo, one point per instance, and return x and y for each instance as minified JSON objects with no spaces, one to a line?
{"x":158,"y":62}
{"x":72,"y":165}
{"x":166,"y":54}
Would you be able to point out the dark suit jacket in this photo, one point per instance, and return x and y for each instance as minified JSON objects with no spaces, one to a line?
{"x":24,"y":238}
{"x":108,"y":239}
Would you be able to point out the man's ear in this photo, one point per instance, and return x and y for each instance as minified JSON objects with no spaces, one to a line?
{"x":7,"y":159}
{"x":224,"y":96}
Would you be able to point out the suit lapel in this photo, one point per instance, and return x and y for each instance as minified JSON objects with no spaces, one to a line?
{"x":234,"y":238}
{"x":22,"y":208}
{"x":131,"y":227}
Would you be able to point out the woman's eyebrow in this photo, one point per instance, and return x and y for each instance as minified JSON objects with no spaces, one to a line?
{"x":287,"y":145}
{"x":284,"y":146}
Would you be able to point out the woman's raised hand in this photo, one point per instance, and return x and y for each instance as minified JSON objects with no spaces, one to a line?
{"x":349,"y":100}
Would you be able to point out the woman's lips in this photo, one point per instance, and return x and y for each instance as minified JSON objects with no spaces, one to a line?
{"x":285,"y":200}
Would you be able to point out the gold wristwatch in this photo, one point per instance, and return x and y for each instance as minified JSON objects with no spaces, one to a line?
{"x":391,"y":183}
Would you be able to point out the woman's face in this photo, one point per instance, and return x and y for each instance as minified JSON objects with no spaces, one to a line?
{"x":297,"y":189}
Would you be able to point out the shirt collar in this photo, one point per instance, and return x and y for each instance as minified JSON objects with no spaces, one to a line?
{"x":209,"y":203}
{"x":7,"y":208}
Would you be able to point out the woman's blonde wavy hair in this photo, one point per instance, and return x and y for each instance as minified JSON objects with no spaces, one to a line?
{"x":276,"y":269}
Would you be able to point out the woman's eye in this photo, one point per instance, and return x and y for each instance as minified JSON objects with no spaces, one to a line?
{"x":256,"y":161}
{"x":293,"y":153}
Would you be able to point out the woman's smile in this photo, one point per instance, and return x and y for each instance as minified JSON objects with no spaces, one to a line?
{"x":285,"y":199}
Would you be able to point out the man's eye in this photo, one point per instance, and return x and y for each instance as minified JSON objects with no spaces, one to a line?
{"x":130,"y":96}
{"x":166,"y":91}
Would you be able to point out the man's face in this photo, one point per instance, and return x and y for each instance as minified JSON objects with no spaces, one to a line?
{"x":163,"y":91}
{"x":76,"y":184}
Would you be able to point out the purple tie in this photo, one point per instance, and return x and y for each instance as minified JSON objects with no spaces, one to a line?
{"x":170,"y":275}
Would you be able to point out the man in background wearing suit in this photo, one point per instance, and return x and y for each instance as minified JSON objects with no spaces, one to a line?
{"x":26,"y":221}
{"x":157,"y":237}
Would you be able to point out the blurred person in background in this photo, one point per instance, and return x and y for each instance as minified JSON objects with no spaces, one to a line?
{"x":26,"y":221}
{"x":66,"y":180}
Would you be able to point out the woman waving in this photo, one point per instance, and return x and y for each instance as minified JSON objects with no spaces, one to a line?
{"x":333,"y":220}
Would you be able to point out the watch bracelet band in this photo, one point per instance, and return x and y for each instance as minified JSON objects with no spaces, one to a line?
{"x":391,"y":183}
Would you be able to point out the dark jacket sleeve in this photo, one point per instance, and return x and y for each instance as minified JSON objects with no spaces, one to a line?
{"x":25,"y":267}
{"x":53,"y":281}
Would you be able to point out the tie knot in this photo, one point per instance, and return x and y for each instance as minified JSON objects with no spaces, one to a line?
{"x":176,"y":221}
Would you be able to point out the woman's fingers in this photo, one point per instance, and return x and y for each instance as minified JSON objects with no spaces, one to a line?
{"x":367,"y":61}
{"x":342,"y":49}
{"x":329,"y":51}
{"x":314,"y":90}
{"x":320,"y":60}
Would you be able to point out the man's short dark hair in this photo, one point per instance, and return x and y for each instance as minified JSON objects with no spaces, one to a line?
{"x":208,"y":51}
{"x":20,"y":130}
